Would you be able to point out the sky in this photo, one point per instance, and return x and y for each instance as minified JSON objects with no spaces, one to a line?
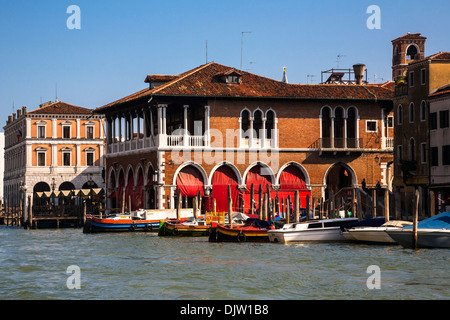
{"x":120,"y":42}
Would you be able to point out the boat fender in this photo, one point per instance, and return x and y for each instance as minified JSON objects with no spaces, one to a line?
{"x":175,"y":231}
{"x":241,"y":237}
{"x":132,"y":227}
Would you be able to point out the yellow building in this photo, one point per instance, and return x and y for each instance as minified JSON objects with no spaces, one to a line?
{"x":53,"y":148}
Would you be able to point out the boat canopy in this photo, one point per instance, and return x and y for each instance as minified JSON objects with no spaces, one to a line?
{"x":257,"y":223}
{"x":440,"y":221}
{"x":372,"y":222}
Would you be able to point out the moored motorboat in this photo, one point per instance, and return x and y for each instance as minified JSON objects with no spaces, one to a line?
{"x":370,"y":222}
{"x":191,"y":227}
{"x":433,"y":232}
{"x":314,"y":230}
{"x":253,"y":230}
{"x":140,"y":220}
{"x":370,"y":234}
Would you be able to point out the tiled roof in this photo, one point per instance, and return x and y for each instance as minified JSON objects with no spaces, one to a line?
{"x":159,"y":78}
{"x":444,"y":90}
{"x":60,"y":107}
{"x":409,"y":36}
{"x":204,"y":81}
{"x":435,"y":57}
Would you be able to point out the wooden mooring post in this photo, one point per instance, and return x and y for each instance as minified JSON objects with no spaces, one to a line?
{"x":415,"y":219}
{"x":230,"y":205}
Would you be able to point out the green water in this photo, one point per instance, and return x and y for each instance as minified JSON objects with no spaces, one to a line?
{"x":33,"y":265}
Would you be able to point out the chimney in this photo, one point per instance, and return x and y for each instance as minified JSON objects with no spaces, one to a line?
{"x":19,"y":113}
{"x":359,"y":72}
{"x":24,"y":110}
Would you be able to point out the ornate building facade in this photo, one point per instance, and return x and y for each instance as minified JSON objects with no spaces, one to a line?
{"x":57,"y":147}
{"x":215,"y":126}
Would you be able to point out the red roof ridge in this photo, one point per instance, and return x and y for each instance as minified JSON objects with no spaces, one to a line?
{"x":181,"y":77}
{"x":61,"y":104}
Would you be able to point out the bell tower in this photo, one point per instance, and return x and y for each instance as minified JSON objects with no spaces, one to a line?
{"x":406,"y":49}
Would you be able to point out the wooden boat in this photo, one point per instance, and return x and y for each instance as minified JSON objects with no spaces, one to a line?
{"x":140,"y":220}
{"x":377,"y":234}
{"x":253,"y":230}
{"x":314,"y":230}
{"x":191,"y":227}
{"x":433,"y":232}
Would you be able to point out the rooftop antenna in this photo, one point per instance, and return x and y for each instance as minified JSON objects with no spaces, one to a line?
{"x":339,"y":56}
{"x":310,"y":78}
{"x":242,"y":44}
{"x":56,"y":92}
{"x":206,"y":51}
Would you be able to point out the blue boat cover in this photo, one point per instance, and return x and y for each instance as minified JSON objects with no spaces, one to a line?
{"x":257,"y":223}
{"x":440,"y":221}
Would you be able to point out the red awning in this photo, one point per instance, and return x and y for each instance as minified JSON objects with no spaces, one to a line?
{"x":292,"y":178}
{"x":190,"y":181}
{"x":223,"y":177}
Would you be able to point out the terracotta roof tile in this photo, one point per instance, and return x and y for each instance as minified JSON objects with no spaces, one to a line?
{"x":410,"y":36}
{"x":60,"y":107}
{"x":204,"y":81}
{"x":434,"y":57}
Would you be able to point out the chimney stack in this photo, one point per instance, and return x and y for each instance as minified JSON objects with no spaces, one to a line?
{"x":359,"y":72}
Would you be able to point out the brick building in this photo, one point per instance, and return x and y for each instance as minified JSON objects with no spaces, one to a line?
{"x":215,"y":126}
{"x":57,"y":147}
{"x":421,"y":77}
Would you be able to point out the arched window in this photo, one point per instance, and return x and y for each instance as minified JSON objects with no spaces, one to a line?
{"x":423,"y":111}
{"x":411,"y":112}
{"x":326,"y":127}
{"x":257,"y":123}
{"x":245,"y":123}
{"x":351,"y":128}
{"x":412,"y":53}
{"x":339,"y":127}
{"x":412,"y":150}
{"x":400,"y":114}
{"x":270,"y":118}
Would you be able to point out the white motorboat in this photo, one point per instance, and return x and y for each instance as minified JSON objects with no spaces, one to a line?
{"x":433,"y":232}
{"x":314,"y":230}
{"x":377,"y":234}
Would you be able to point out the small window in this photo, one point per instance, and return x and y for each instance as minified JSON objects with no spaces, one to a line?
{"x":411,"y":79}
{"x":412,"y":150}
{"x":444,"y":118}
{"x":89,"y":158}
{"x":399,"y":153}
{"x":66,"y":158}
{"x":423,"y":74}
{"x":434,"y":156}
{"x":41,"y":159}
{"x":446,"y":155}
{"x":433,"y":120}
{"x":423,"y":152}
{"x":89,"y":132}
{"x":66,"y":132}
{"x":423,"y":111}
{"x":400,"y":114}
{"x":390,"y":122}
{"x":411,"y":112}
{"x":41,"y":132}
{"x":371,"y":126}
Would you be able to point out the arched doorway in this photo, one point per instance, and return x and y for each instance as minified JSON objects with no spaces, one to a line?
{"x":337,"y":177}
{"x":129,"y":192}
{"x":139,"y":192}
{"x":292,"y":178}
{"x":189,"y":182}
{"x":259,"y":177}
{"x":38,"y":197}
{"x":222,"y":177}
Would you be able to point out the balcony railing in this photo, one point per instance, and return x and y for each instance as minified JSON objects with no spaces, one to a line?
{"x":338,"y":143}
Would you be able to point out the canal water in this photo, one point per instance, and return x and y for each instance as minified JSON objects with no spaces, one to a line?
{"x":135,"y":266}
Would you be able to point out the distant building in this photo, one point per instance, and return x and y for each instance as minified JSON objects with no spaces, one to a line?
{"x":215,"y":126}
{"x":415,"y":81}
{"x":440,"y":148}
{"x":57,"y":147}
{"x":2,"y":162}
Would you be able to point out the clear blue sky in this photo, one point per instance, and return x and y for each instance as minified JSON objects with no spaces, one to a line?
{"x":120,"y":42}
